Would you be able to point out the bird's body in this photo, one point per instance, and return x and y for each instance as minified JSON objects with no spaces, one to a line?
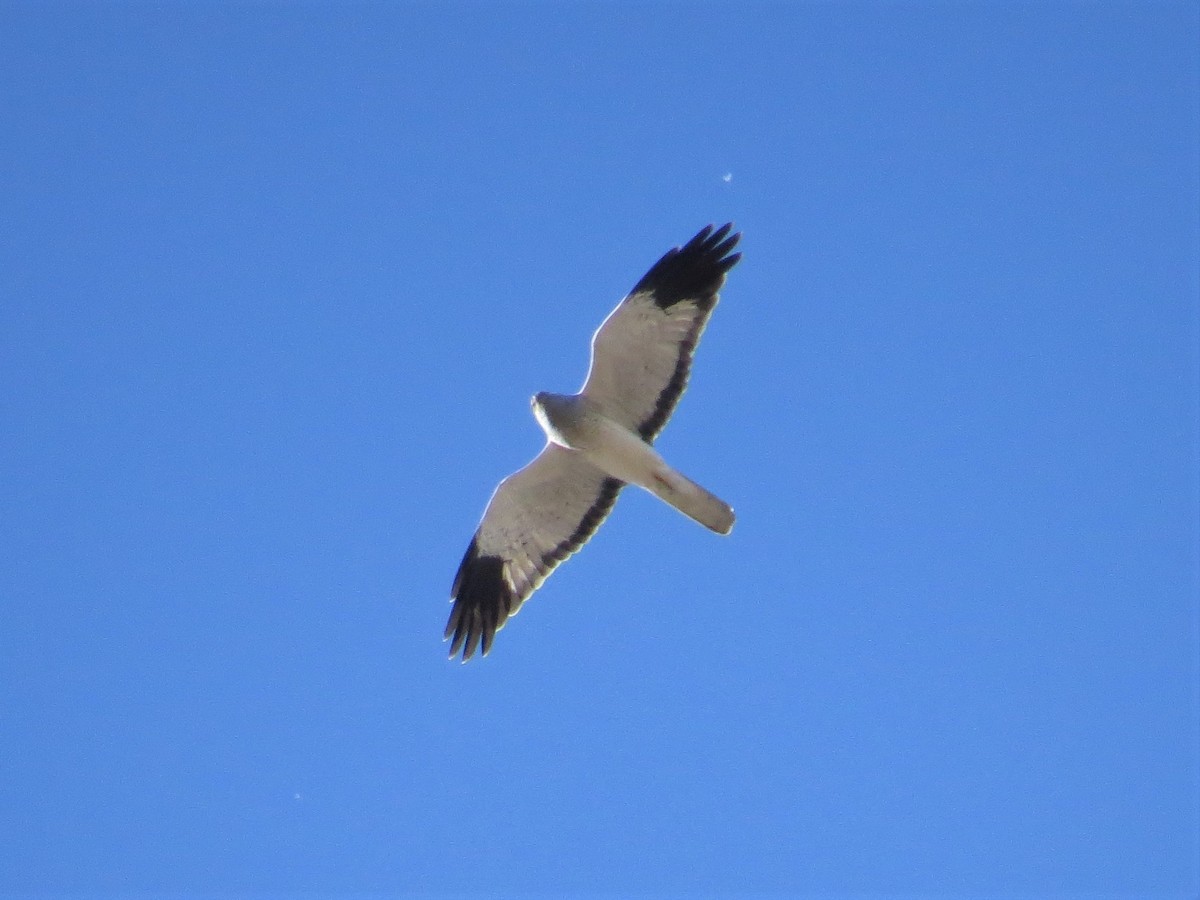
{"x":577,"y":422}
{"x":598,"y":440}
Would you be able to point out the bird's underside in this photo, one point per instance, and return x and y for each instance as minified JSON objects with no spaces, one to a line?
{"x":580,"y":423}
{"x":599,"y":440}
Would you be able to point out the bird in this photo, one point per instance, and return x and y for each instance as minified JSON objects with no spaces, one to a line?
{"x":597,"y":441}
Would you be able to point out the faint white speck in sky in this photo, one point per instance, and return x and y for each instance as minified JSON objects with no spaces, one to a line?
{"x":727,"y":177}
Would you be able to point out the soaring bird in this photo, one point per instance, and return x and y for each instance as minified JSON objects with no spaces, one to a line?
{"x":597,"y":441}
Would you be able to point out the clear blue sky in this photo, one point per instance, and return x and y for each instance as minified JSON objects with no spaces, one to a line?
{"x":276,"y":284}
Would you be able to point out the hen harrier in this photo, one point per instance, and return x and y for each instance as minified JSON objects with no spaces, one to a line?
{"x":598,"y":441}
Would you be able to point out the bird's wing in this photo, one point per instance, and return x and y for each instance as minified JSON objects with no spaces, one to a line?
{"x":536,"y":518}
{"x":642,"y":353}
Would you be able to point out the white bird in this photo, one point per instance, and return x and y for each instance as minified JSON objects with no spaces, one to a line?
{"x":598,"y":441}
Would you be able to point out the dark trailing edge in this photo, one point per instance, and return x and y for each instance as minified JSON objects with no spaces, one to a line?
{"x":696,"y":272}
{"x":483,"y":601}
{"x":597,"y":513}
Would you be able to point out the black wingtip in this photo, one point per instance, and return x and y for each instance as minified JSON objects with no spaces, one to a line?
{"x":482,"y":601}
{"x":694,"y":271}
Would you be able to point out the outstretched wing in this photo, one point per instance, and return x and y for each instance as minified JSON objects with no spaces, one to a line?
{"x":642,"y":353}
{"x":536,"y":518}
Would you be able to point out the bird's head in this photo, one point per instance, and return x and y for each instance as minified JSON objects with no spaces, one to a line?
{"x":538,"y":404}
{"x":553,"y":412}
{"x":548,"y":403}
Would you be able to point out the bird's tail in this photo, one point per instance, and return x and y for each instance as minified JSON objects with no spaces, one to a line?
{"x":692,"y":500}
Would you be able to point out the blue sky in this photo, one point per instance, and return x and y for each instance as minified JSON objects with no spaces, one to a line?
{"x":278,"y":282}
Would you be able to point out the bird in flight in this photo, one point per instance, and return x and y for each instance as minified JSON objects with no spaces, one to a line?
{"x":598,"y":441}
